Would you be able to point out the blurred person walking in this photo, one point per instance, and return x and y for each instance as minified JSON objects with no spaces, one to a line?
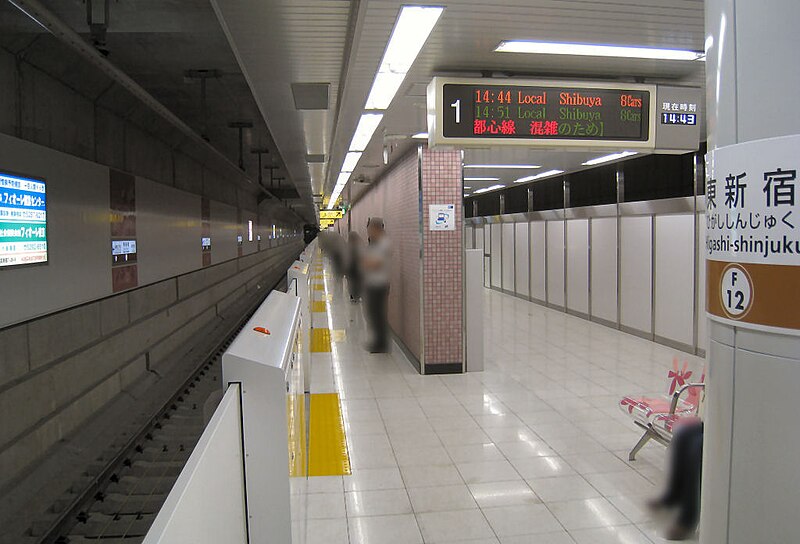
{"x":353,"y":273}
{"x":375,"y":265}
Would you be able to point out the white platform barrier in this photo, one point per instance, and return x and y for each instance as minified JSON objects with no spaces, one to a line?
{"x":207,"y":502}
{"x":299,"y":284}
{"x":235,"y":486}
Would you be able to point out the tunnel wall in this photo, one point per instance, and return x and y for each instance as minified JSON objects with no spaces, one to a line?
{"x":107,"y":126}
{"x":59,"y":370}
{"x":70,"y":340}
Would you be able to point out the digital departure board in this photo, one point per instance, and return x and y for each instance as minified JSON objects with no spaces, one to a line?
{"x":23,"y":220}
{"x":516,"y":112}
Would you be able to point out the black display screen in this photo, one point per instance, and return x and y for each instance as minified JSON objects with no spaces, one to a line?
{"x":545,"y":113}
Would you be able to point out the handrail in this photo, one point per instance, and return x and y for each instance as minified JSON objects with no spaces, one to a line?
{"x":677,"y":395}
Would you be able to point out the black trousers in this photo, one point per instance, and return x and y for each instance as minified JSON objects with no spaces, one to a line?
{"x":376,"y":302}
{"x":354,"y":283}
{"x":683,"y":490}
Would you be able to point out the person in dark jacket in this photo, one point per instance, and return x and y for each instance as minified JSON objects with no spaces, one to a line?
{"x":353,"y":273}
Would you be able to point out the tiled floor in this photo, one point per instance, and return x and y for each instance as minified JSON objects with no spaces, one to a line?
{"x":532,"y":450}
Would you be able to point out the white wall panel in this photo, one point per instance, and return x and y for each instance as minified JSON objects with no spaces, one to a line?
{"x":168,"y":231}
{"x":538,"y":245}
{"x":224,"y":230}
{"x":479,"y":237}
{"x":496,"y":254}
{"x":508,"y":257}
{"x":468,"y":231}
{"x":674,"y":275}
{"x":702,"y":320}
{"x":521,"y":258}
{"x":555,"y":263}
{"x":604,"y":268}
{"x":487,"y":271}
{"x":78,"y":234}
{"x":636,"y":273}
{"x":578,"y":265}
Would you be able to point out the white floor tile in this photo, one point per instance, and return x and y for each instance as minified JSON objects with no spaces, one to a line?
{"x":455,"y":526}
{"x":400,"y":529}
{"x":493,"y":494}
{"x":373,"y":479}
{"x":542,"y":467}
{"x":442,"y":498}
{"x":622,"y":534}
{"x":587,"y":513}
{"x":487,"y":471}
{"x":525,"y":519}
{"x":377,"y":503}
{"x":325,"y":505}
{"x":431,"y":475}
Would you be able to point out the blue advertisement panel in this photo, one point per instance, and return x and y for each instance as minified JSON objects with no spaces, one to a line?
{"x":23,"y":220}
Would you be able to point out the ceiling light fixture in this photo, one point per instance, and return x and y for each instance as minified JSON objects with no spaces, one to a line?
{"x":504,"y":166}
{"x":491,"y":188}
{"x":367,"y":126}
{"x":350,"y":161}
{"x":481,"y":179}
{"x":539,"y":176}
{"x":609,"y":158}
{"x":410,"y":33}
{"x":341,"y":181}
{"x":593,"y":50}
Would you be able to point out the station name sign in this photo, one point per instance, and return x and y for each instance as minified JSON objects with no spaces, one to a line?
{"x":480,"y":112}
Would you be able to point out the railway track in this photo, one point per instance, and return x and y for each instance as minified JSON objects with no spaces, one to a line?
{"x":120,"y":504}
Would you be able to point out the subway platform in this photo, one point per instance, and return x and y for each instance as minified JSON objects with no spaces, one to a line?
{"x":532,"y":450}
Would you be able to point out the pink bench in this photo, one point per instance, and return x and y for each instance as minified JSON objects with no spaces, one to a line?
{"x":660,"y":416}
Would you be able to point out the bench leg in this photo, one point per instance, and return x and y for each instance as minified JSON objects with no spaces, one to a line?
{"x":646,"y":437}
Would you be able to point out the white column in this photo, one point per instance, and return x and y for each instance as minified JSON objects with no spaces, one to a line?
{"x":751,"y":470}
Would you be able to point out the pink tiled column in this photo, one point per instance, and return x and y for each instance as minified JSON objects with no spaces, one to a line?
{"x":442,"y":264}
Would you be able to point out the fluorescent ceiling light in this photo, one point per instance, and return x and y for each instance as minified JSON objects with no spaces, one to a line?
{"x":481,"y":179}
{"x":341,"y":181}
{"x":350,"y":161}
{"x":410,"y":33}
{"x":504,"y":166}
{"x":467,"y":187}
{"x":485,"y":189}
{"x":420,"y":136}
{"x":539,"y":176}
{"x":608,"y":158}
{"x":591,"y":50}
{"x":367,"y":126}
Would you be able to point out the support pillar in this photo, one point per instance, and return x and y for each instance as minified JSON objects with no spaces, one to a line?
{"x":751,"y":479}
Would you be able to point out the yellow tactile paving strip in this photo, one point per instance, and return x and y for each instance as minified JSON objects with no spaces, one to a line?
{"x":320,"y":340}
{"x":319,"y":287}
{"x":319,"y":306}
{"x":327,"y":452}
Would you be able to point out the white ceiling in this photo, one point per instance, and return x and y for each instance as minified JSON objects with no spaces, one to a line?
{"x":283,"y":41}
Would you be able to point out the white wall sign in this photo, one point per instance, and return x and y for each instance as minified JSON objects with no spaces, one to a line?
{"x":442,"y":217}
{"x":753,"y":234}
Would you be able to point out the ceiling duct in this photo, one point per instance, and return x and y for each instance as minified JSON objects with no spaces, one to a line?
{"x":311,"y":96}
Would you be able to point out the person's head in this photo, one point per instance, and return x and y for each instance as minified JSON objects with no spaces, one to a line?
{"x":375,"y":228}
